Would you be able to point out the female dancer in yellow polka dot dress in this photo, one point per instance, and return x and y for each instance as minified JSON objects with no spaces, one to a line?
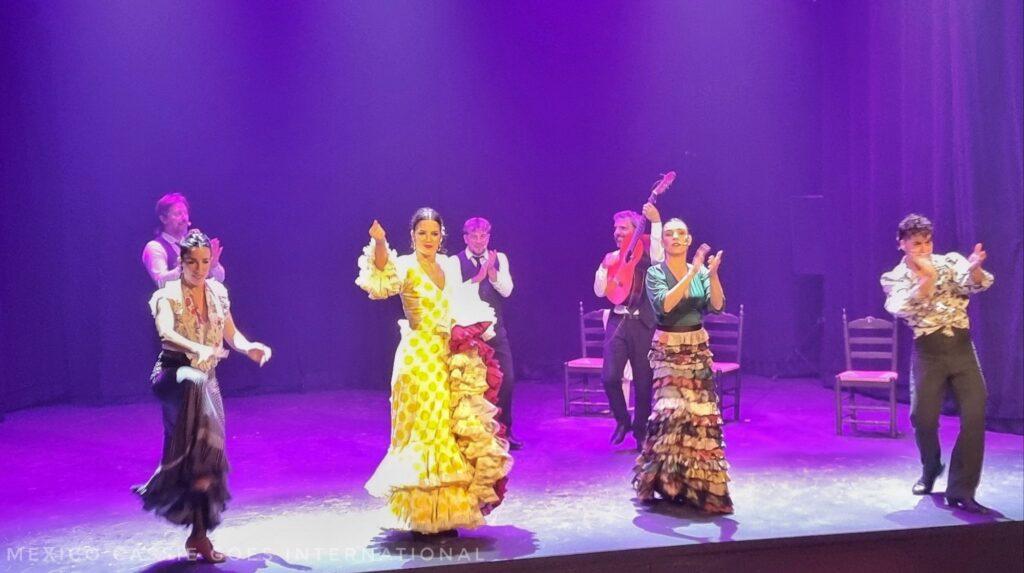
{"x":430,"y":484}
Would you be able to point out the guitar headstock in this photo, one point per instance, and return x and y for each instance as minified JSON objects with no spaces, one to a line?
{"x":663,"y":184}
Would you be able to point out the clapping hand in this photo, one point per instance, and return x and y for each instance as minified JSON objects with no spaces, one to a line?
{"x":922,"y":266}
{"x":700,"y":256}
{"x":480,"y":274}
{"x":714,"y":262}
{"x":215,"y":250}
{"x":492,"y":265}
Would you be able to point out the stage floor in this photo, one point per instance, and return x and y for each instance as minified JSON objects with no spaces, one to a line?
{"x":299,"y":462}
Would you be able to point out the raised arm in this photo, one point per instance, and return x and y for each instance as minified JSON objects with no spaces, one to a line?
{"x":501,"y":278}
{"x":716,"y":297}
{"x":379,"y":275}
{"x":657,"y":248}
{"x":380,"y":245}
{"x":216,"y":268}
{"x":970,"y":276}
{"x":654,"y":216}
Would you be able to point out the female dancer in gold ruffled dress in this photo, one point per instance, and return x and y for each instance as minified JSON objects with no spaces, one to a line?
{"x":446,"y":464}
{"x":683,"y":457}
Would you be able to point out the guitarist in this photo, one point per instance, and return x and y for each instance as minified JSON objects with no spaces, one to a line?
{"x":630,"y":327}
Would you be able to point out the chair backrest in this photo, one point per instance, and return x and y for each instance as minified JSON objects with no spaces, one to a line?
{"x":725,"y":333}
{"x":870,"y":343}
{"x":591,"y":332}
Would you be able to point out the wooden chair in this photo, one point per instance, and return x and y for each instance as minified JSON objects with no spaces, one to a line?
{"x":725,"y":333}
{"x":583,"y":387}
{"x":580,"y":390}
{"x":869,"y":342}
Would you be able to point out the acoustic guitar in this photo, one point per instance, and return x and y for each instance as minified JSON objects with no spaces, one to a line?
{"x":620,"y":274}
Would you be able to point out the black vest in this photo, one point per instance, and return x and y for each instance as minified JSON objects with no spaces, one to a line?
{"x":487,"y":292}
{"x":638,"y":299}
{"x":172,"y":253}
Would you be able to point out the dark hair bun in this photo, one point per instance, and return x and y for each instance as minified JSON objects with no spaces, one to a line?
{"x":195,"y":239}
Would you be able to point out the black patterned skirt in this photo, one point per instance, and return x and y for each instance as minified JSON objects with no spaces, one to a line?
{"x":683,"y":457}
{"x":193,"y":449}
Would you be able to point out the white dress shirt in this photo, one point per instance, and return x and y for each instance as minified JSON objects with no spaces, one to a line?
{"x":946,"y":308}
{"x":503,"y":281}
{"x":154,"y":258}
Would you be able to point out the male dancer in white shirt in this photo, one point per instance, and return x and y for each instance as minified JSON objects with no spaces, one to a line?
{"x":930,"y":292}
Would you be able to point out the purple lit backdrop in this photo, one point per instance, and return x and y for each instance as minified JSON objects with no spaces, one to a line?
{"x":924,"y":114}
{"x":291,"y":127}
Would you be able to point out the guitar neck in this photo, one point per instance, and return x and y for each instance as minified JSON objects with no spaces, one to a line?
{"x":643,"y":220}
{"x":652,"y":199}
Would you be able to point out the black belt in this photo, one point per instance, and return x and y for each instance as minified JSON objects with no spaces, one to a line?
{"x":173,"y":358}
{"x":938,"y":340}
{"x":682,"y":328}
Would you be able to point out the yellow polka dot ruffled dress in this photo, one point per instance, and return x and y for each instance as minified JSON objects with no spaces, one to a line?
{"x":429,"y":482}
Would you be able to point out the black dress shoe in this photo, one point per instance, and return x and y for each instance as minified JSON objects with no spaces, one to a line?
{"x":619,"y":434}
{"x":927,"y":482}
{"x":514,"y":443}
{"x":967,"y":504}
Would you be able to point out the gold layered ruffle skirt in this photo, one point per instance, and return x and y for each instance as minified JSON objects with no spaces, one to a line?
{"x":445,"y":458}
{"x":683,"y":457}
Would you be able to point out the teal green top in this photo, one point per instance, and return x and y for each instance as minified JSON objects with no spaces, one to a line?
{"x":691,"y":308}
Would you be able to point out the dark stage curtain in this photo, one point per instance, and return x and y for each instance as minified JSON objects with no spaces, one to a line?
{"x":923,"y":114}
